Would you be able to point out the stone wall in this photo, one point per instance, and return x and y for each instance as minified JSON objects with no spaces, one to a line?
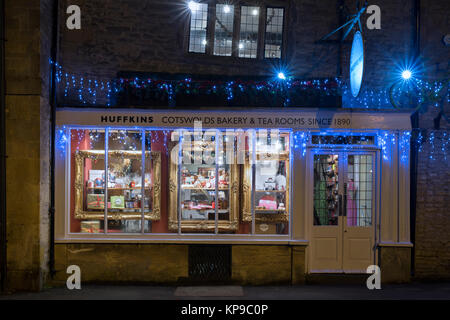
{"x":23,"y":89}
{"x":27,"y":142}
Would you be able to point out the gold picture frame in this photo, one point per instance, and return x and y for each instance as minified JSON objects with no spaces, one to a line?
{"x":81,"y":155}
{"x":224,"y":226}
{"x":282,"y":216}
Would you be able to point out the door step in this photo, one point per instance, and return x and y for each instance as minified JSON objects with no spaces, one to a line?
{"x":337,"y":278}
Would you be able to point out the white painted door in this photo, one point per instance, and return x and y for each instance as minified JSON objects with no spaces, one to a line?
{"x":342,"y":232}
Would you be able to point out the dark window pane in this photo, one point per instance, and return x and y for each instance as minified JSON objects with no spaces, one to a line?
{"x":274,"y":33}
{"x":223,"y":34}
{"x":199,"y":19}
{"x":248,"y":40}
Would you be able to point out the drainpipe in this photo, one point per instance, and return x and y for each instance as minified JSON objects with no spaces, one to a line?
{"x":53,"y":104}
{"x":3,"y":270}
{"x":414,"y":147}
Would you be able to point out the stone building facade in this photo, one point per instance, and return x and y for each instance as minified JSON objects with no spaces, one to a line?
{"x":151,"y":36}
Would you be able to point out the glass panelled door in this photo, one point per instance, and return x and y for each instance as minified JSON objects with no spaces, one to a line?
{"x":342,"y":212}
{"x":358,"y":203}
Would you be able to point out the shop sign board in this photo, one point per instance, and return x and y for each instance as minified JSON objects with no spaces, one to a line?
{"x":308,"y":119}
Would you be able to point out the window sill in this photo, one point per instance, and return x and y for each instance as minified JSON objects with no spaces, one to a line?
{"x":255,"y":240}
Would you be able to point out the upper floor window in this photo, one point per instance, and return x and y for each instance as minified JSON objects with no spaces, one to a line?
{"x":199,"y":19}
{"x":245,"y":31}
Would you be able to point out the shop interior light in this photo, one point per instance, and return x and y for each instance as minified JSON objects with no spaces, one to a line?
{"x":226,"y":9}
{"x":255,"y":12}
{"x":193,"y":6}
{"x":241,"y":46}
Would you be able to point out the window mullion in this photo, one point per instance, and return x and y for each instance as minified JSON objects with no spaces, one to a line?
{"x":236,"y":31}
{"x":105,"y":192}
{"x":261,"y":32}
{"x":216,"y":186}
{"x":211,"y":23}
{"x":143,"y":181}
{"x":253,"y":166}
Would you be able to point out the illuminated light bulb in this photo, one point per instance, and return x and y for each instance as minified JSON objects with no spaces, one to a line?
{"x":204,"y":42}
{"x":255,"y":12}
{"x":241,"y":46}
{"x":226,"y":9}
{"x":406,"y":75}
{"x":193,"y":6}
{"x":281,"y":76}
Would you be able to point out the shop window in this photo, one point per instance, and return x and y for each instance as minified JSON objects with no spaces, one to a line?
{"x":125,"y":198}
{"x":274,"y":33}
{"x":236,"y":30}
{"x":223,"y":33}
{"x":204,"y":184}
{"x":267,"y":181}
{"x":199,"y":21}
{"x":216,"y":182}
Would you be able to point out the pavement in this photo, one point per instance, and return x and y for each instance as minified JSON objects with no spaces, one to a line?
{"x":410,"y":291}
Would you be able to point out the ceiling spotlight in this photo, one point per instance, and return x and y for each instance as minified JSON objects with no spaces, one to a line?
{"x":193,"y":6}
{"x":241,"y":46}
{"x":204,"y":42}
{"x":255,"y":12}
{"x":281,"y":76}
{"x":226,"y":9}
{"x":406,"y":75}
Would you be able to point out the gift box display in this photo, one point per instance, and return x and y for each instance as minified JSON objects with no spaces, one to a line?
{"x":95,"y":201}
{"x":268,"y":204}
{"x":117,"y":202}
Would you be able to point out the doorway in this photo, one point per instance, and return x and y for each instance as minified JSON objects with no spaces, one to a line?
{"x":343,"y":215}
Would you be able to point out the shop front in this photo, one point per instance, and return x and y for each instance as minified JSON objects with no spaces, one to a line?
{"x":251,"y":197}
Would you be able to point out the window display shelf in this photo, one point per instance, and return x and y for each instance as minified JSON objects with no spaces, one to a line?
{"x":134,"y":188}
{"x":204,"y":189}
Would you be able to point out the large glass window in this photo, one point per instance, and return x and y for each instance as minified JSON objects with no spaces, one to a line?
{"x":140,"y":181}
{"x":266,"y":182}
{"x":205,"y":181}
{"x":199,"y":21}
{"x":126,"y":197}
{"x":236,"y":30}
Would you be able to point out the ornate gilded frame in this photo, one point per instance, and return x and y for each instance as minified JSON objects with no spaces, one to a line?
{"x":80,"y":155}
{"x":225,"y":226}
{"x":247,"y":191}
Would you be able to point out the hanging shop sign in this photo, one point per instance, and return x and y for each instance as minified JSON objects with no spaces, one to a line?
{"x":308,"y":119}
{"x":356,"y":64}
